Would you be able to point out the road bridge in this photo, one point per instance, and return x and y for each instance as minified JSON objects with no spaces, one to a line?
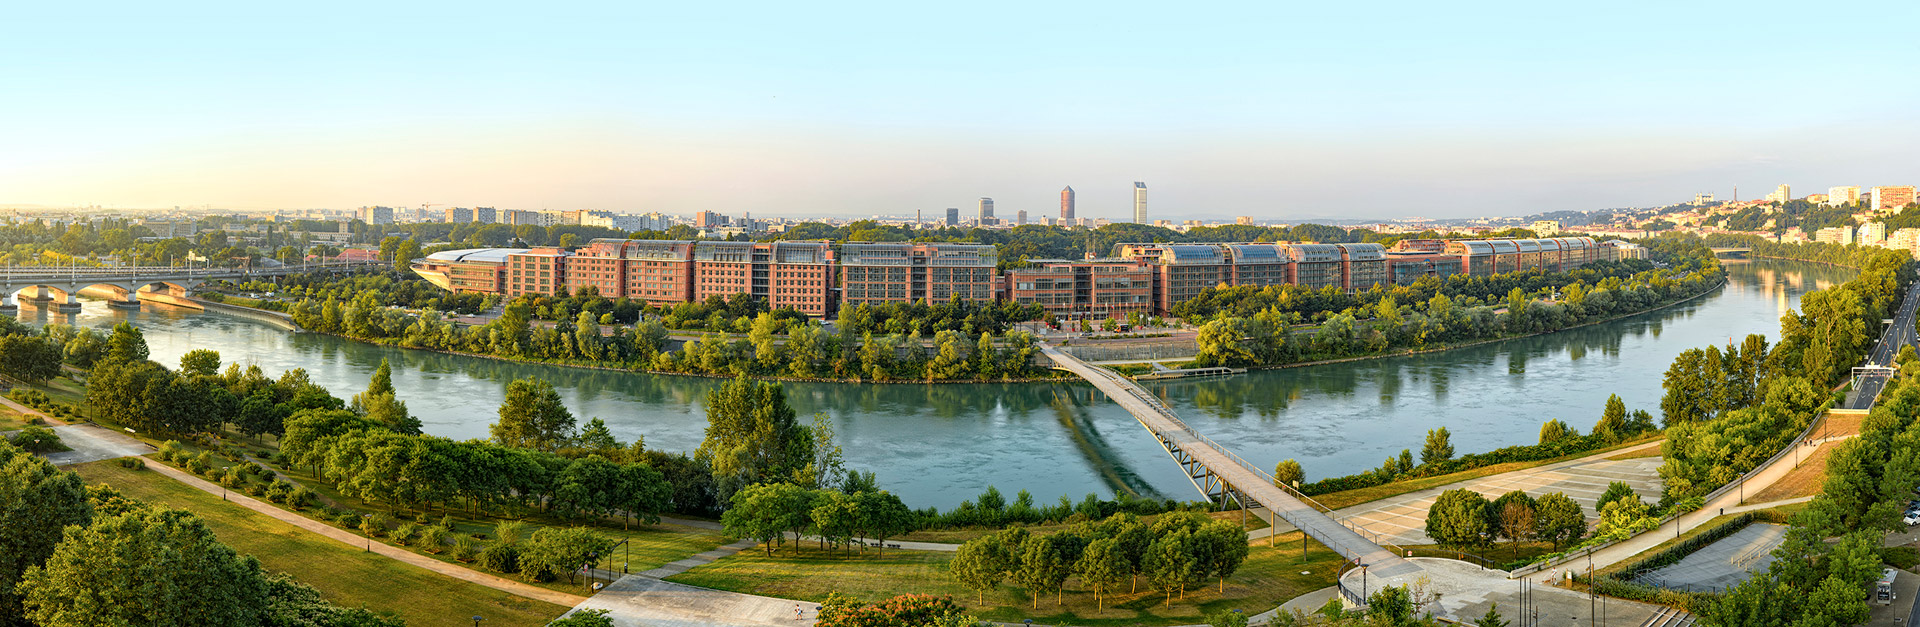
{"x":1221,"y":475}
{"x":39,"y":283}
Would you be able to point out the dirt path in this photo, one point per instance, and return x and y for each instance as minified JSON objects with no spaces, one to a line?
{"x":344,"y":537}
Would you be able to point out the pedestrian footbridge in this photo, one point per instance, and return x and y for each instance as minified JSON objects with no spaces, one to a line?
{"x":1221,"y":475}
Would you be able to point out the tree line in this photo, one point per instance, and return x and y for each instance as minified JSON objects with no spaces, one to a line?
{"x":1729,"y":409}
{"x":805,"y":350}
{"x":70,"y":562}
{"x":1270,"y":335}
{"x":1175,"y":553}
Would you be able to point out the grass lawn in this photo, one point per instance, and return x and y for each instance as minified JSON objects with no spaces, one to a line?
{"x":1773,"y":514}
{"x":958,"y":536}
{"x":1805,"y":480}
{"x":10,"y":419}
{"x":1349,"y":498}
{"x":1269,"y":577}
{"x":346,"y":575}
{"x":648,"y":547}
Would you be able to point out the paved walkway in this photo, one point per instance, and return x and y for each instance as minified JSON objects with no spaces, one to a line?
{"x":346,"y":537}
{"x":1402,"y":519}
{"x":91,"y":443}
{"x":891,"y":544}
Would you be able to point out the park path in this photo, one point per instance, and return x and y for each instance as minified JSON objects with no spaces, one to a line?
{"x":16,"y":406}
{"x":344,"y":537}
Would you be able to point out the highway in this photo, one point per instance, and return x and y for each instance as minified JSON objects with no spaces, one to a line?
{"x":1898,"y":334}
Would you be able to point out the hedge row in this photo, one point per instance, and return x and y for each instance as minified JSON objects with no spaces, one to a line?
{"x":1527,"y":453}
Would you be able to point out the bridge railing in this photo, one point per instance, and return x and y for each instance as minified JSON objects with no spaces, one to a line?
{"x":136,"y":271}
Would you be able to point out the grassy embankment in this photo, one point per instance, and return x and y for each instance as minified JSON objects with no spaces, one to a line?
{"x":347,"y":576}
{"x":1269,"y":577}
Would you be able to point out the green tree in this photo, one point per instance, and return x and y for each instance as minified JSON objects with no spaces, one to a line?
{"x":1223,"y":547}
{"x":1102,"y":566}
{"x":883,"y":515}
{"x":1439,"y":446}
{"x":1492,"y":618}
{"x":125,"y":345}
{"x":533,"y":417}
{"x":1613,"y":422}
{"x":36,"y":502}
{"x":1459,"y":520}
{"x":1559,"y":519}
{"x":763,"y":511}
{"x":184,"y":577}
{"x":1615,"y":491}
{"x":752,"y":436}
{"x":1554,"y":430}
{"x":979,"y":565}
{"x":1288,"y":473}
{"x":562,"y":549}
{"x":1172,"y":564}
{"x":201,"y":362}
{"x":1045,"y":563}
{"x":28,"y":358}
{"x":583,"y":618}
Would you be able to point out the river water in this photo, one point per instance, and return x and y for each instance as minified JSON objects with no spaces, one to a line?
{"x":936,"y":445}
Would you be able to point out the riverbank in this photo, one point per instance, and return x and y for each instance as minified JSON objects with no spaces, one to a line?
{"x":285,"y":322}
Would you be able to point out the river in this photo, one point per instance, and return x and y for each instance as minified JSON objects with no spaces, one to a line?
{"x":936,"y":445}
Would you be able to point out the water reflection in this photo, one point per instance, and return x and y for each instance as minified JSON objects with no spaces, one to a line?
{"x":939,"y":444}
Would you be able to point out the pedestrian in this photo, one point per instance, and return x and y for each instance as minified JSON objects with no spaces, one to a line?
{"x":796,"y":612}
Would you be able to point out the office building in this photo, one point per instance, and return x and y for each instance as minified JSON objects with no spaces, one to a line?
{"x":904,"y":272}
{"x":1139,"y":202}
{"x":1843,"y":195}
{"x":986,"y":212}
{"x":796,"y":274}
{"x":1083,"y":288}
{"x":485,"y":215}
{"x":1892,"y":199}
{"x":457,"y":215}
{"x":1066,"y":203}
{"x":953,"y":216}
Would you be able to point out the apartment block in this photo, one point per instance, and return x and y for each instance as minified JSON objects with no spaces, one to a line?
{"x":1889,"y":199}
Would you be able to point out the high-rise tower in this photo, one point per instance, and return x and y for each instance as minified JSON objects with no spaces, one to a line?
{"x":1139,"y":202}
{"x":986,"y":211}
{"x":1066,"y":203}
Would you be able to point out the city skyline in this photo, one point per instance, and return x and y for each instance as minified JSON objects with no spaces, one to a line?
{"x":786,"y":111}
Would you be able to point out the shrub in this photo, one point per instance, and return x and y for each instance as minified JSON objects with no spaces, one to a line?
{"x":371,"y":526}
{"x":133,"y":463}
{"x":1900,"y":556}
{"x":201,"y":463}
{"x":405,"y":532}
{"x":509,"y":532}
{"x":466,"y":549}
{"x":39,"y":440}
{"x":300,"y":497}
{"x":171,"y":450}
{"x":349,"y":520}
{"x":278,"y":491}
{"x":500,"y":557}
{"x":433,"y":539}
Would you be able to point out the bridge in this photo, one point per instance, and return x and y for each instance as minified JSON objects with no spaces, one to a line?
{"x":1221,"y":475}
{"x":1732,"y":252}
{"x":37,"y":283}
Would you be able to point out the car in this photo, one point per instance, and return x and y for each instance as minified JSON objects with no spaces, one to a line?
{"x":1913,"y":518}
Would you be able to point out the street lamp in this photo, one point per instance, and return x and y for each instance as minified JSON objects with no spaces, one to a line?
{"x":476,"y":621}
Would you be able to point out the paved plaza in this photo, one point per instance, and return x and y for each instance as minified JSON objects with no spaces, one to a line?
{"x":640,"y":601}
{"x":1466,"y":591}
{"x":1723,"y":564}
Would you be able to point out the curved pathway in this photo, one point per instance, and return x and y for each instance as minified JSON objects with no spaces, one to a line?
{"x":344,"y":537}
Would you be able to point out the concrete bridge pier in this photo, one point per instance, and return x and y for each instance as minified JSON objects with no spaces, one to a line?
{"x":40,"y":294}
{"x":70,"y":305}
{"x":132,"y":301}
{"x":6,"y":304}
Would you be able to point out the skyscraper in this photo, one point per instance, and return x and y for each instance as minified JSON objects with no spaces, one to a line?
{"x":986,"y":211}
{"x":1020,"y":218}
{"x":1066,"y":203}
{"x":1139,"y":202}
{"x":953,"y":216}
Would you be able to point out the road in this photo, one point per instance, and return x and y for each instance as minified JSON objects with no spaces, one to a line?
{"x":1885,"y":349}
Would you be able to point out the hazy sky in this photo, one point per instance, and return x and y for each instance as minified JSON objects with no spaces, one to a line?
{"x":1272,"y":109}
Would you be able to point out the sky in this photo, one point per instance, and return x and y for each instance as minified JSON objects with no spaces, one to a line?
{"x":1276,"y":110}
